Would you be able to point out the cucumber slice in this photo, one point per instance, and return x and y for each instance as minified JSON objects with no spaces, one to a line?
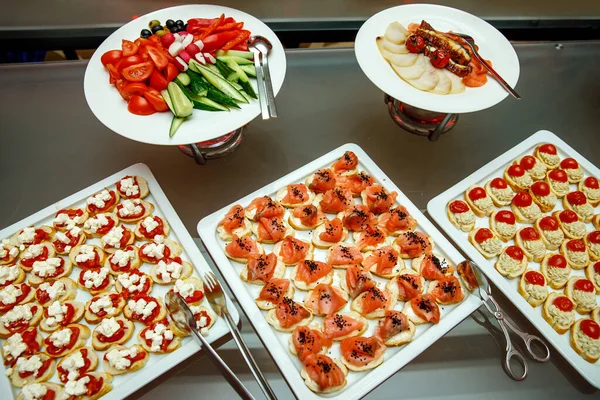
{"x":182,"y":106}
{"x":215,"y":70}
{"x":238,"y":60}
{"x":250,"y":70}
{"x":165,"y":95}
{"x":221,"y":98}
{"x":220,"y":83}
{"x":207,"y":104}
{"x":223,"y":68}
{"x":175,"y":124}
{"x":243,"y":78}
{"x":197,"y":85}
{"x":183,"y":78}
{"x":236,"y":53}
{"x":241,"y":90}
{"x":233,"y":77}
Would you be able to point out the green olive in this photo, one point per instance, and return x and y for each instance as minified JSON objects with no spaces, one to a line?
{"x":153,"y":23}
{"x":160,"y":32}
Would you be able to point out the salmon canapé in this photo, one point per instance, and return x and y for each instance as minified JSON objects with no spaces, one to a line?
{"x":378,"y":199}
{"x":330,"y":233}
{"x":264,"y":207}
{"x":291,"y":250}
{"x":272,"y":293}
{"x":446,"y":290}
{"x":240,"y":248}
{"x":409,"y":284}
{"x":432,"y":267}
{"x":288,"y":314}
{"x":358,"y":218}
{"x":396,"y":221}
{"x":394,"y":328}
{"x":343,"y":325}
{"x":261,"y":268}
{"x":413,"y":244}
{"x":305,"y":341}
{"x":306,"y":217}
{"x":360,"y":353}
{"x":422,"y":309}
{"x":321,"y":181}
{"x":355,"y":183}
{"x":334,"y":200}
{"x":294,"y":195}
{"x":271,"y":230}
{"x":308,"y":273}
{"x":347,"y":162}
{"x":384,"y":261}
{"x":357,"y":280}
{"x":322,"y":374}
{"x":370,"y":238}
{"x":343,"y":255}
{"x":233,"y":223}
{"x":373,"y":303}
{"x":325,"y":299}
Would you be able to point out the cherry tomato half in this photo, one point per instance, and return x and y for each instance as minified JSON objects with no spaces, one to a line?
{"x":157,"y":81}
{"x":139,"y":106}
{"x":111,"y":57}
{"x":171,"y":72}
{"x":156,"y":100}
{"x":158,"y":57}
{"x":128,"y":61}
{"x":138,"y":72}
{"x":114,"y":73}
{"x":132,"y":89}
{"x":129,"y":48}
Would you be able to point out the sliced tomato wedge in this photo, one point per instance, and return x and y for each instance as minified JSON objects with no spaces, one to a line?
{"x":138,"y":72}
{"x":133,"y":88}
{"x":139,"y":106}
{"x":171,"y":72}
{"x":129,"y":48}
{"x":111,"y":57}
{"x":156,"y":100}
{"x":157,"y":81}
{"x":114,"y":74}
{"x":141,"y":42}
{"x":128,"y":61}
{"x":158,"y":57}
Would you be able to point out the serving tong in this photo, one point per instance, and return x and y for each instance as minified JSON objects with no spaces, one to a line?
{"x":511,"y":353}
{"x":261,"y":47}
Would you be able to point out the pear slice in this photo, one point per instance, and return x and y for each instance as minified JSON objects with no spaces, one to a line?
{"x":396,"y":33}
{"x":457,"y":85}
{"x":413,"y":71}
{"x":444,"y":84}
{"x":394,"y":47}
{"x":427,"y":80}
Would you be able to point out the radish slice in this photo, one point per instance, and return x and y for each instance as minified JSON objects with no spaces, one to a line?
{"x":182,"y":64}
{"x":185,"y":56}
{"x":178,"y":37}
{"x":187,"y":40}
{"x":200,"y":44}
{"x":175,"y":48}
{"x":209,"y":58}
{"x":200,"y":58}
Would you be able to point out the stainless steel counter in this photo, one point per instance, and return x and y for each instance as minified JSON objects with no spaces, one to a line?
{"x":52,"y":146}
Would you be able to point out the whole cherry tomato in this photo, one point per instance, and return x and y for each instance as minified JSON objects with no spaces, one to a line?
{"x":415,"y":43}
{"x":439,"y":59}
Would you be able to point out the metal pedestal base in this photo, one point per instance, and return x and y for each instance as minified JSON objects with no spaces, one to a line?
{"x":418,"y":121}
{"x":215,"y":148}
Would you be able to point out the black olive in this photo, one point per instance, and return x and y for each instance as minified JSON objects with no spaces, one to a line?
{"x":185,"y":27}
{"x":175,"y":29}
{"x":145,"y":33}
{"x":157,"y":28}
{"x":170,"y":23}
{"x":180,"y":23}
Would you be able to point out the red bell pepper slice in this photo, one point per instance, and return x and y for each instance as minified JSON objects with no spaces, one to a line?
{"x":240,"y":38}
{"x":213,"y":26}
{"x":235,"y":26}
{"x":216,"y":41}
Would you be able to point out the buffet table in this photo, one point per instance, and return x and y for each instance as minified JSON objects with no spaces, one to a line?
{"x":52,"y":144}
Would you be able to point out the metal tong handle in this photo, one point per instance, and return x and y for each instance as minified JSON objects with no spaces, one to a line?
{"x":528,"y":339}
{"x":492,"y":71}
{"x":258,"y":375}
{"x":262,"y":91}
{"x":269,"y":86}
{"x":229,"y":376}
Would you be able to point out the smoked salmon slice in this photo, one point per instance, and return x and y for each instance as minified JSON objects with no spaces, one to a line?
{"x":384,"y":260}
{"x":425,"y":308}
{"x":333,"y":231}
{"x":292,"y":250}
{"x":358,"y":280}
{"x":309,"y":271}
{"x":413,"y":244}
{"x":432,"y":267}
{"x":358,"y":218}
{"x":261,"y":267}
{"x":410,"y":285}
{"x":322,"y":181}
{"x":347,"y":162}
{"x":335,"y":200}
{"x":447,"y":290}
{"x":372,"y":300}
{"x":274,"y":290}
{"x":295,"y":194}
{"x":355,"y":183}
{"x":264,"y":207}
{"x":271,"y":230}
{"x":307,"y":341}
{"x":393,"y":323}
{"x":343,"y":255}
{"x":360,"y":351}
{"x":325,"y":300}
{"x":308,"y":216}
{"x":289,"y":313}
{"x":324,"y":372}
{"x":371,"y":237}
{"x":240,"y":248}
{"x":234,"y":219}
{"x":341,"y":325}
{"x":378,"y":199}
{"x":397,"y":220}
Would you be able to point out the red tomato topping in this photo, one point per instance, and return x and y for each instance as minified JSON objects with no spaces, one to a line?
{"x":563,"y":303}
{"x":549,"y":223}
{"x":505,"y":216}
{"x":477,"y":193}
{"x":547,"y":148}
{"x":483,"y":234}
{"x":115,"y":337}
{"x":569,"y":163}
{"x":459,"y":207}
{"x":53,"y":350}
{"x":557,"y":261}
{"x":568,"y":216}
{"x":558,"y":175}
{"x":498,"y":183}
{"x":584,"y":285}
{"x":597,"y":267}
{"x":594,"y":237}
{"x":540,"y":189}
{"x":535,"y":278}
{"x":94,"y":385}
{"x":576,"y":198}
{"x":591,"y":182}
{"x":527,"y":162}
{"x":515,"y":170}
{"x":529,"y":234}
{"x":576,"y":245}
{"x":522,"y":199}
{"x":590,"y":328}
{"x":515,"y":252}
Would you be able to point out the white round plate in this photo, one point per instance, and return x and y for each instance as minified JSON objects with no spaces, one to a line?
{"x":492,"y":44}
{"x":110,"y":108}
